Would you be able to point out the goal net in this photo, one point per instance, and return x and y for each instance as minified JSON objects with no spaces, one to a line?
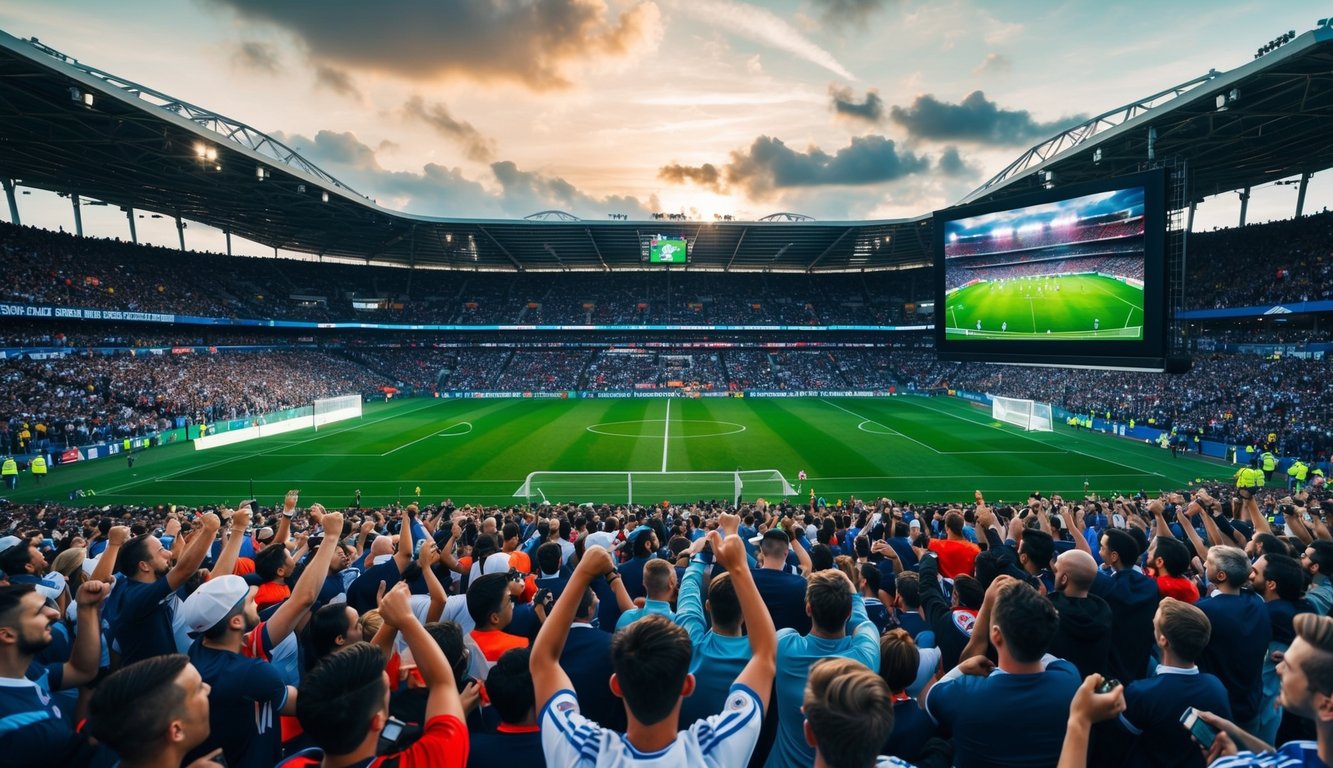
{"x":332,"y":409}
{"x":653,"y":487}
{"x":1028,"y":414}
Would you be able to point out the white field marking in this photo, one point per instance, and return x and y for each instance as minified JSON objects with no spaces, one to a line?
{"x":444,"y":433}
{"x":739,"y":428}
{"x":666,"y":432}
{"x":1066,"y":450}
{"x":864,"y":420}
{"x":248,"y":454}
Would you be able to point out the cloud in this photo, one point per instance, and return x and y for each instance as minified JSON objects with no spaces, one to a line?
{"x":478,"y":147}
{"x":769,"y":165}
{"x":974,"y":119}
{"x":706,"y":175}
{"x":531,"y":42}
{"x":257,"y":56}
{"x":994,"y":62}
{"x":849,"y":12}
{"x":527,"y":192}
{"x":438,"y":190}
{"x":766,"y":28}
{"x":845,"y":104}
{"x":336,"y":80}
{"x":951,"y":163}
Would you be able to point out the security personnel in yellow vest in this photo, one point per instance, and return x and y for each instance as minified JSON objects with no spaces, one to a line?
{"x":38,"y":467}
{"x":1248,"y":479}
{"x":1296,"y":475}
{"x":1131,"y":423}
{"x":10,"y":471}
{"x":1269,"y":463}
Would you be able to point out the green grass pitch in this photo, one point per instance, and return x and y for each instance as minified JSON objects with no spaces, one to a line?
{"x":911,"y":448}
{"x":1063,"y":308}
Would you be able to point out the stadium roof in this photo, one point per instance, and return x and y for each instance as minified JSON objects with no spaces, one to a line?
{"x":73,"y":129}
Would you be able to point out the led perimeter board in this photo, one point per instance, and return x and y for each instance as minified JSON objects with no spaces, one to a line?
{"x":1067,"y":276}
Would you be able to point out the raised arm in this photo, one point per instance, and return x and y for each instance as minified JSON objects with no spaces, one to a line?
{"x":231,"y":547}
{"x":403,"y":557}
{"x":106,"y":565}
{"x":979,"y":644}
{"x":443,"y":698}
{"x":87,"y":652}
{"x":290,"y":613}
{"x":194,"y":553}
{"x":759,"y":670}
{"x":427,"y":558}
{"x":548,"y":678}
{"x":690,"y":601}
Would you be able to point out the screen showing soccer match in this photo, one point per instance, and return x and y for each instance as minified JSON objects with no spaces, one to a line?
{"x":1070,"y":270}
{"x":667,"y":250}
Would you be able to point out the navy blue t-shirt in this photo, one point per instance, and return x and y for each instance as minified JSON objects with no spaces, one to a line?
{"x":784,"y":594}
{"x":1153,"y":707}
{"x":973,"y":708}
{"x":361,"y":595}
{"x":243,"y":707}
{"x":912,"y":728}
{"x":1237,"y":648}
{"x":142,"y":623}
{"x":32,"y":731}
{"x":517,"y":748}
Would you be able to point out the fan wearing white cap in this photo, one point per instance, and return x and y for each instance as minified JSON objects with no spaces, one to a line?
{"x":22,"y":560}
{"x":34,"y":732}
{"x":232,"y":650}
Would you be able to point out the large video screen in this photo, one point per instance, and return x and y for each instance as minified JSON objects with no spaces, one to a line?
{"x":1074,"y":273}
{"x":668,"y":250}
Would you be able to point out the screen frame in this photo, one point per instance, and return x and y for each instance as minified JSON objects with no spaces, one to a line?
{"x":1148,"y":353}
{"x":685,"y":247}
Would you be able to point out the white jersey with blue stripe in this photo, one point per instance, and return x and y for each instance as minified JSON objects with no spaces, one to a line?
{"x":723,"y":740}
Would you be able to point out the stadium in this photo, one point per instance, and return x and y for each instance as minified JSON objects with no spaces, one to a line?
{"x":1058,"y":351}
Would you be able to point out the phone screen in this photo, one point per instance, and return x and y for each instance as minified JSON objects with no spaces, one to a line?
{"x":1201,"y":731}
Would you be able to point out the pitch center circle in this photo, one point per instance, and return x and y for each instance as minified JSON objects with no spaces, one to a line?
{"x":875,"y":428}
{"x":633,"y":429}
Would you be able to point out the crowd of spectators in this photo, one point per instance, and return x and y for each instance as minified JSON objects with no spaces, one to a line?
{"x":1045,"y":236}
{"x":82,"y":399}
{"x":1263,"y":264}
{"x":866,"y":633}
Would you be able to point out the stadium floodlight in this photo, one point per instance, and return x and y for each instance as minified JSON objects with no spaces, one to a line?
{"x":261,"y":173}
{"x":323,"y":197}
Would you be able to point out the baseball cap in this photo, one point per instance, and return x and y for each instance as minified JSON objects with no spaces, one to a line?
{"x":211,"y":603}
{"x":8,"y":543}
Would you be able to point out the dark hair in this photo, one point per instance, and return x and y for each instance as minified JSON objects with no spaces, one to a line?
{"x":585,"y":603}
{"x":1285,"y":572}
{"x":132,"y":708}
{"x":449,"y":636}
{"x":485,"y":547}
{"x":11,"y":596}
{"x":15,"y":559}
{"x":132,"y":553}
{"x":338,"y":698}
{"x":821,"y":557}
{"x":1174,"y":554}
{"x":829,"y":594}
{"x":1322,"y":556}
{"x":485,"y":596}
{"x":509,"y":686}
{"x":321,"y":634}
{"x":954,"y":522}
{"x":1122,"y":544}
{"x":871,"y":574}
{"x":268,"y":560}
{"x":723,"y":605}
{"x":549,"y":556}
{"x":1038,"y":546}
{"x":1271,"y":545}
{"x":510,"y":531}
{"x":1186,"y":628}
{"x":908,"y":585}
{"x":651,"y":658}
{"x":1027,"y":621}
{"x":969,"y":591}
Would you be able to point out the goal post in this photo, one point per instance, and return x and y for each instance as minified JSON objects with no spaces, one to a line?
{"x":331,"y":409}
{"x":652,"y":487}
{"x":1028,"y":414}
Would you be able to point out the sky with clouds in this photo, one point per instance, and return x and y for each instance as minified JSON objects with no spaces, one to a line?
{"x":837,"y":109}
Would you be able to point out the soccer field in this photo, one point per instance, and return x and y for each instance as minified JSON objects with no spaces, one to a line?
{"x":1064,"y":308}
{"x":481,"y":451}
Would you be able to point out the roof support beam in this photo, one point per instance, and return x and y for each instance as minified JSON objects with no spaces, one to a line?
{"x":503,"y":250}
{"x":829,"y":249}
{"x":595,"y":249}
{"x":744,"y":231}
{"x":13,"y":201}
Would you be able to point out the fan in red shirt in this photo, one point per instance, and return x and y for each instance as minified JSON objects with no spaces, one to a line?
{"x":957,"y":554}
{"x":1169,"y":559}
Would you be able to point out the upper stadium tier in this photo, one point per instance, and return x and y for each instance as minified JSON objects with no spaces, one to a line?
{"x":73,"y":129}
